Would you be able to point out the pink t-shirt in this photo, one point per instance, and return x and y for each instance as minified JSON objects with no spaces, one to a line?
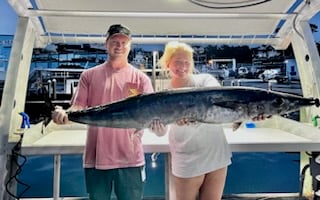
{"x":109,"y":148}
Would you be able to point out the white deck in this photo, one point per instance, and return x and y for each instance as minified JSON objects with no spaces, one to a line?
{"x":276,"y":134}
{"x":285,"y":135}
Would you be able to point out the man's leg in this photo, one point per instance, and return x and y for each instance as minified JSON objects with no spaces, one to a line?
{"x":129,"y":183}
{"x":99,"y":183}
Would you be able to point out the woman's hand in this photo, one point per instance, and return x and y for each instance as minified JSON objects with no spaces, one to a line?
{"x":158,"y":128}
{"x":261,"y":117}
{"x":236,"y":125}
{"x":184,"y":121}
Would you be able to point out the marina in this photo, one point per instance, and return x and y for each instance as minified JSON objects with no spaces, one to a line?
{"x":292,"y":139}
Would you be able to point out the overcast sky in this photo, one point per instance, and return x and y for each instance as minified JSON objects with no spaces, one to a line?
{"x":8,"y":20}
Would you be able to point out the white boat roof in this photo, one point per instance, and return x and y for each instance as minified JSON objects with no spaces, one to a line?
{"x":159,"y":21}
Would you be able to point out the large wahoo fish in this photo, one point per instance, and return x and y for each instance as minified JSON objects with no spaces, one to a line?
{"x":207,"y":105}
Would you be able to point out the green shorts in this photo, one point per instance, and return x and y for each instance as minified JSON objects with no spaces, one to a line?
{"x":127,"y":183}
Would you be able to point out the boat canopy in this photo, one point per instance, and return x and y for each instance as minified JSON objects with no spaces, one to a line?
{"x":236,"y":22}
{"x":271,"y":22}
{"x":277,"y":23}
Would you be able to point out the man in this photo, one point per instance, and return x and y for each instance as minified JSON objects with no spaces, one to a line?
{"x":113,"y":157}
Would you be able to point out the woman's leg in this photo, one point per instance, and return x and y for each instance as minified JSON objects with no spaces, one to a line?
{"x":188,"y":188}
{"x":213,"y":185}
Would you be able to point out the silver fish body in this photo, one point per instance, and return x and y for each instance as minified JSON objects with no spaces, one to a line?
{"x":207,"y":105}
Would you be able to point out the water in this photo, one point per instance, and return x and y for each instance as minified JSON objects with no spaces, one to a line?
{"x":249,"y":173}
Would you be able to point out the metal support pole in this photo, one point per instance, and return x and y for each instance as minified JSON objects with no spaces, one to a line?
{"x":54,"y":89}
{"x":154,"y":66}
{"x":169,"y":182}
{"x":49,"y":88}
{"x":56,"y":177}
{"x":222,"y":82}
{"x":232,"y":83}
{"x":14,"y":93}
{"x":239,"y":82}
{"x":270,"y":83}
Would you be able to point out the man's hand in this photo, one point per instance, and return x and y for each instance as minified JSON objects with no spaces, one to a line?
{"x":59,"y":116}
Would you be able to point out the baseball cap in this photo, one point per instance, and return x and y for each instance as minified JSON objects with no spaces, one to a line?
{"x":118,"y":29}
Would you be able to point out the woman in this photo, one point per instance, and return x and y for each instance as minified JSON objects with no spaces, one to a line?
{"x":200,"y":153}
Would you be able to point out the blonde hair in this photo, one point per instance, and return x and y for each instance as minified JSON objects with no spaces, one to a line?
{"x":172,"y":48}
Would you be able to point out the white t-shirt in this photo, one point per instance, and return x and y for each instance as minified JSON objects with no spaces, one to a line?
{"x":198,"y":148}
